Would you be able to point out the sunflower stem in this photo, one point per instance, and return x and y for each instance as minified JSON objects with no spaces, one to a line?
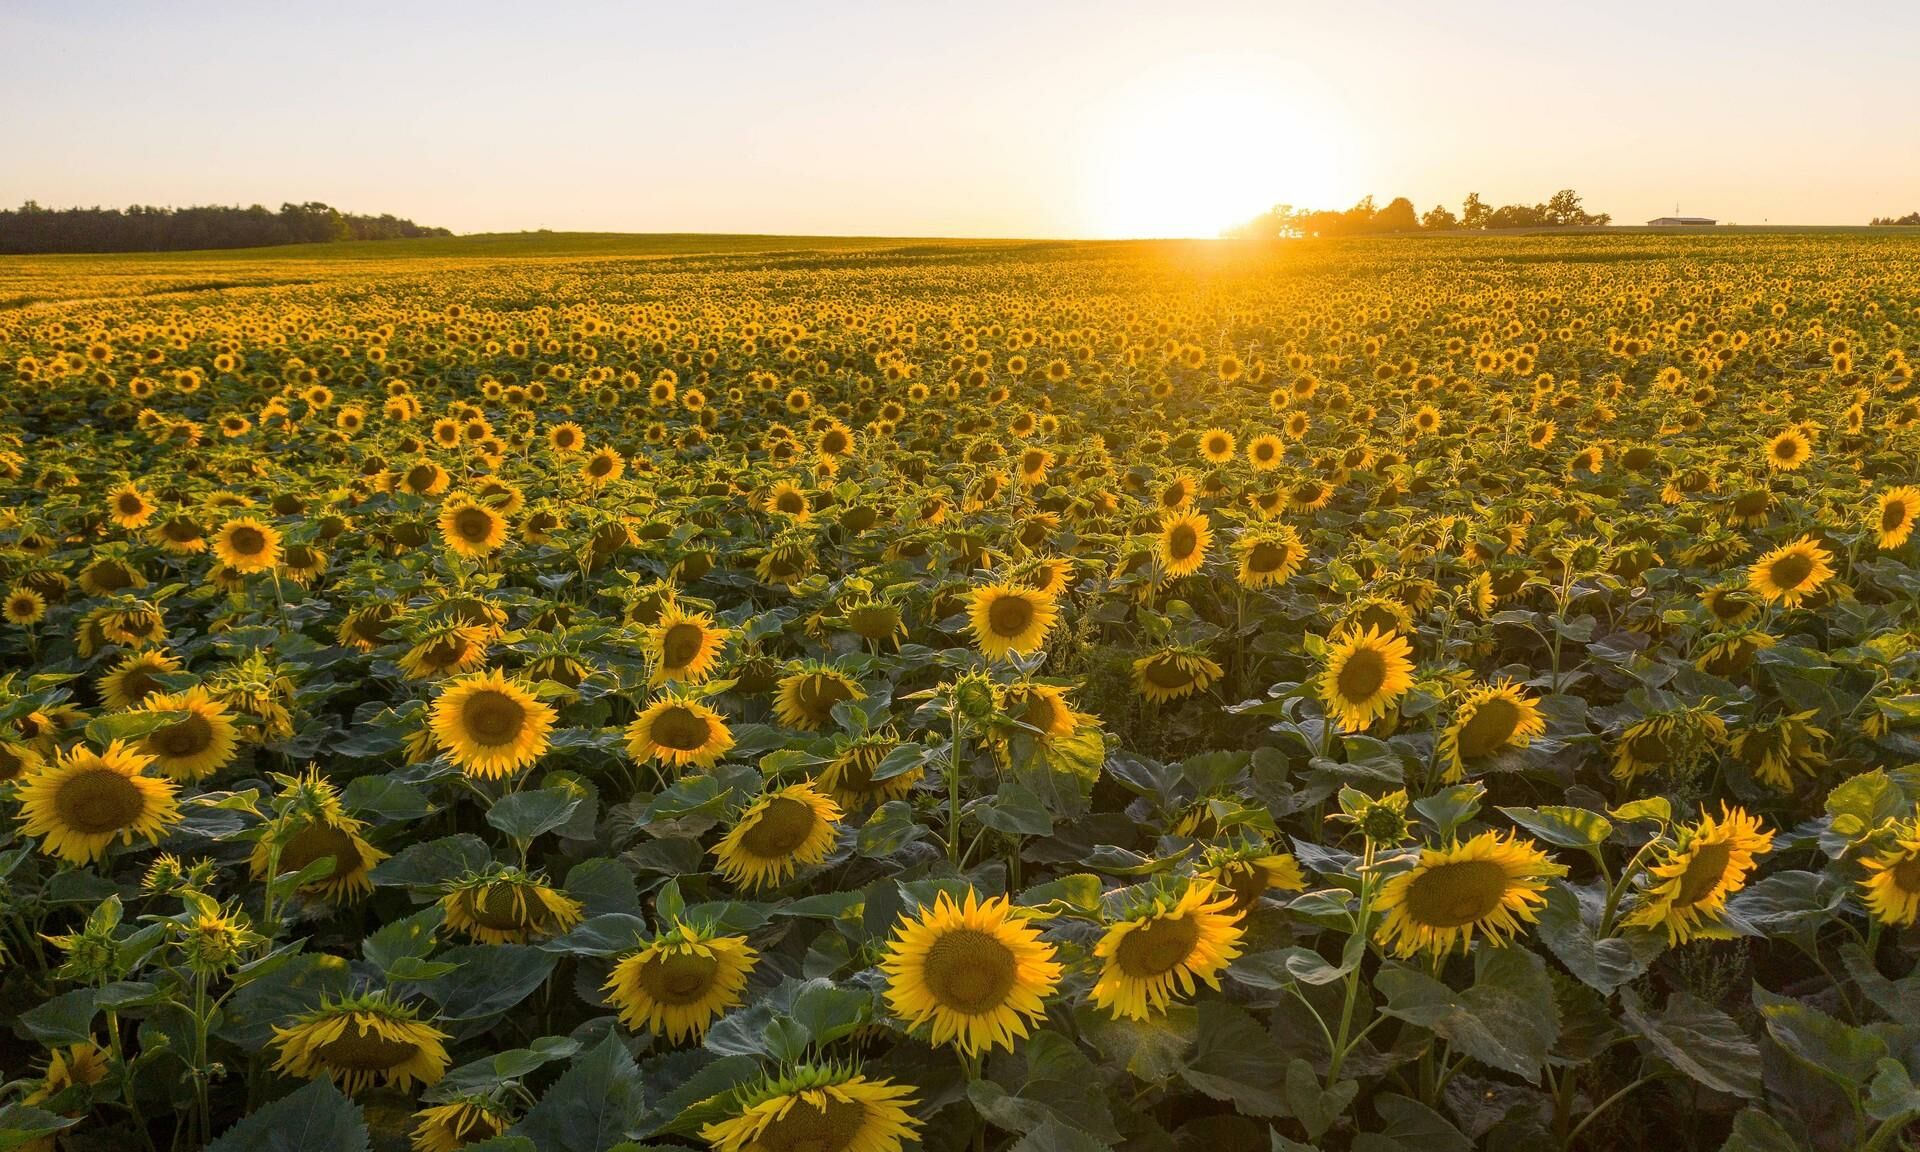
{"x":953,"y":791}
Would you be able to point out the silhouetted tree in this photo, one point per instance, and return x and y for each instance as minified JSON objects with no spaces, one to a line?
{"x":1397,"y":216}
{"x":146,"y":229}
{"x":1473,"y":213}
{"x":1886,"y":221}
{"x":1439,"y":218}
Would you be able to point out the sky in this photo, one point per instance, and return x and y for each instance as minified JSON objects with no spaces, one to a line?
{"x":1027,"y":119}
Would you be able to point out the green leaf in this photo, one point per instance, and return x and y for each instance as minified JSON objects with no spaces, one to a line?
{"x":411,"y":938}
{"x":1755,"y":1131}
{"x":1059,"y":1087}
{"x":1655,"y":808}
{"x":1603,"y":965}
{"x":490,"y":1072}
{"x":1561,"y":826}
{"x":1150,"y":1050}
{"x":1411,"y":1127}
{"x":1848,"y":1054}
{"x":386,"y":797}
{"x":295,"y":987}
{"x":433,"y":863}
{"x":22,"y":1124}
{"x":1892,"y":1094}
{"x":1079,"y":892}
{"x":1315,"y":1107}
{"x":1451,"y":807}
{"x":1699,"y":1040}
{"x":1858,"y":805}
{"x":1507,"y":1020}
{"x":490,"y":979}
{"x":310,"y":1119}
{"x":594,"y":1105}
{"x":1235,"y":1059}
{"x":524,"y":815}
{"x":1055,"y":1137}
{"x":1015,"y":810}
{"x":63,"y":1019}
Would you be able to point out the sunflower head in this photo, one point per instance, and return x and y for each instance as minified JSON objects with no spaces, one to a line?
{"x":1366,"y":674}
{"x":203,"y":740}
{"x":682,"y":980}
{"x":1166,"y":942}
{"x":507,"y":905}
{"x":1172,"y":673}
{"x":83,"y":801}
{"x":1490,"y":719}
{"x":684,"y":645}
{"x":362,"y":1041}
{"x":1009,"y":618}
{"x":976,"y":971}
{"x":1687,"y":888}
{"x":491,"y":726}
{"x":805,"y":697}
{"x":466,"y":1119}
{"x":1891,"y":886}
{"x":1490,"y":884}
{"x":815,"y":1108}
{"x":1791,"y":573}
{"x":679,"y":731}
{"x":781,"y":832}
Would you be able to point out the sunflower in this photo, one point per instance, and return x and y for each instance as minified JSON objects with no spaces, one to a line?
{"x":1791,"y":572}
{"x":1264,"y":452}
{"x":848,"y":776}
{"x":196,"y":746}
{"x":129,"y":507}
{"x":1667,"y":740}
{"x":1729,"y":605}
{"x":604,"y":466}
{"x":1728,"y":654}
{"x":1172,"y":673}
{"x":1708,"y":861}
{"x":1788,"y":451}
{"x":681,"y":981}
{"x":1009,"y":618}
{"x":780,"y":833}
{"x":1366,"y":673}
{"x":461,"y":1121}
{"x":1777,"y":750}
{"x":1041,"y":707}
{"x":1490,"y":719}
{"x":24,"y":607}
{"x":977,"y":971}
{"x":506,"y":905}
{"x":1269,"y":556}
{"x":567,"y":437}
{"x":247,"y":544}
{"x":679,"y":732}
{"x":315,"y":827}
{"x":684,"y":645}
{"x":1895,"y":513}
{"x":1168,"y":941}
{"x":491,"y":726}
{"x":445,"y":650}
{"x":789,"y":500}
{"x":84,"y":800}
{"x":361,"y":1041}
{"x":1488,"y":884}
{"x":367,"y":627}
{"x":135,"y":678}
{"x":804,"y":699}
{"x":472,"y":529}
{"x":1892,"y":883}
{"x":816,"y":1109}
{"x":1216,"y":445}
{"x":1249,"y":873}
{"x":1182,"y":544}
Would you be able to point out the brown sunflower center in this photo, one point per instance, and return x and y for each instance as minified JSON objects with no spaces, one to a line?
{"x":1362,"y":675}
{"x":1906,"y":874}
{"x":322,"y":842}
{"x":1010,"y":616}
{"x":783,"y":825}
{"x":1158,"y":947}
{"x":1703,"y":873}
{"x":1751,"y":503}
{"x":131,"y":505}
{"x":678,"y":977}
{"x":247,"y":540}
{"x":503,"y":907}
{"x":681,"y":729}
{"x":474,"y":525}
{"x":818,"y":694}
{"x":99,"y":800}
{"x":1650,"y":747}
{"x":1168,"y":673}
{"x":969,"y":971}
{"x":1452,"y":895}
{"x":1786,"y":449}
{"x":189,"y":737}
{"x":601,"y":465}
{"x":1491,"y":726}
{"x":681,"y":644}
{"x":1893,"y":516}
{"x":828,"y":1126}
{"x":1266,"y":557}
{"x":1790,"y":571}
{"x":492,"y":717}
{"x":1182,"y":541}
{"x":366,"y":1051}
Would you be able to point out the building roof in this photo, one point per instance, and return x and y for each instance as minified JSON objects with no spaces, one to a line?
{"x":1660,"y":220}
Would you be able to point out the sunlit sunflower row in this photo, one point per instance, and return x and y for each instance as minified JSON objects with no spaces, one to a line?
{"x":849,"y":694}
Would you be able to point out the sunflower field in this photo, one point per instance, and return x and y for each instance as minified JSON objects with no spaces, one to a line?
{"x":1373,"y":696}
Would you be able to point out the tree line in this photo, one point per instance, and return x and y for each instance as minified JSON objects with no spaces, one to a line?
{"x":1885,"y":221}
{"x":1399,"y":215}
{"x":141,"y":228}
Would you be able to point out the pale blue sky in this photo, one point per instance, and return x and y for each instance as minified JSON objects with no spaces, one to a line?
{"x":985,"y":118}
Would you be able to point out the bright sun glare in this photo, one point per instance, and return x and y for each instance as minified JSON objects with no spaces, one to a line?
{"x":1199,"y":148}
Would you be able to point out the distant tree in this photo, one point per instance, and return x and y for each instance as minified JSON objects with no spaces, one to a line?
{"x":1565,"y":209}
{"x":1887,"y":221}
{"x":1358,"y":218}
{"x":1440,"y":218}
{"x":141,"y":228}
{"x":1397,"y":216}
{"x":1474,"y":213}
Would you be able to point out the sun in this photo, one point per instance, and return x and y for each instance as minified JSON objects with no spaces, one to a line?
{"x":1207,"y":143}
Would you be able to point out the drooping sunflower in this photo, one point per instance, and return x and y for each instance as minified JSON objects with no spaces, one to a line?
{"x":179,"y":535}
{"x":848,"y":776}
{"x":1269,"y":556}
{"x":1489,"y":884}
{"x":804,"y":699}
{"x":816,"y":1108}
{"x":1892,"y":882}
{"x":684,"y":646}
{"x":1009,"y":618}
{"x":1792,"y":572}
{"x":1041,"y":707}
{"x":1169,"y":941}
{"x":679,"y":732}
{"x":1708,"y":861}
{"x":1249,"y":872}
{"x":472,"y":529}
{"x":361,"y":1041}
{"x":368,"y":626}
{"x":491,"y":726}
{"x":1173,"y":673}
{"x":1894,"y":514}
{"x":1489,"y":719}
{"x":1182,"y":544}
{"x":84,"y":800}
{"x":978,"y":971}
{"x":1778,"y":750}
{"x":1729,"y":654}
{"x":506,"y":905}
{"x":783,"y":831}
{"x":681,"y":981}
{"x":197,"y":746}
{"x":1729,"y":605}
{"x":247,"y":544}
{"x":1366,"y":673}
{"x":315,"y":826}
{"x":464,"y":1120}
